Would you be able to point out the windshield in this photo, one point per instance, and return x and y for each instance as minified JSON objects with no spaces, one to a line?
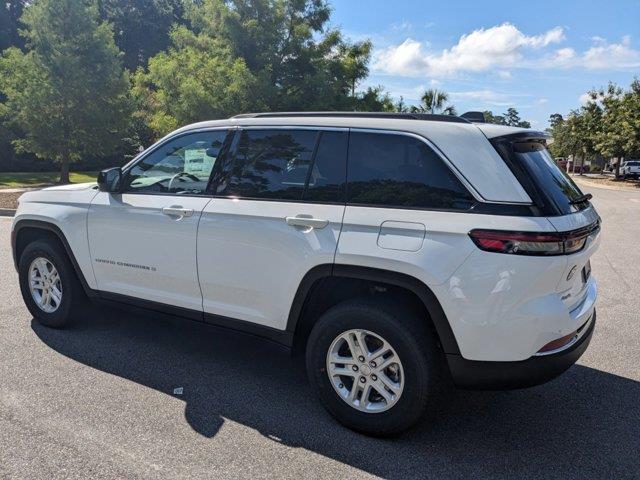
{"x":551,"y":181}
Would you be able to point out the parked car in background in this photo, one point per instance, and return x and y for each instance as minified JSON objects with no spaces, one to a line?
{"x":630,"y":168}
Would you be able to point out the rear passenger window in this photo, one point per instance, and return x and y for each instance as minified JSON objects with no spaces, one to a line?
{"x":284,"y":164}
{"x":401,"y":171}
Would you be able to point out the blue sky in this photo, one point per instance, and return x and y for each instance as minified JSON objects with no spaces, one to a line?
{"x":539,"y":57}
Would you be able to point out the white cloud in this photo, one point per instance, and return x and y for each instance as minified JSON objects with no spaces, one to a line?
{"x":585,"y":99}
{"x":480,"y":50}
{"x":403,"y":25}
{"x":612,"y":55}
{"x":543,"y":101}
{"x":501,"y":48}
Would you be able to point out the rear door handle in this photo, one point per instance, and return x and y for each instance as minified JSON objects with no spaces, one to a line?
{"x":177,"y":211}
{"x":309,"y":222}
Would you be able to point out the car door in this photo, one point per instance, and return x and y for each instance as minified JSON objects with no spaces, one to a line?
{"x":277,"y":213}
{"x":143,"y":240}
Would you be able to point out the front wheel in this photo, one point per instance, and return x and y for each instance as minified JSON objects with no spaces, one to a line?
{"x":48,"y":283}
{"x":374,"y":365}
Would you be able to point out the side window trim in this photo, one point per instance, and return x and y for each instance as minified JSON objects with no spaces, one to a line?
{"x":161,"y":143}
{"x":447,"y":163}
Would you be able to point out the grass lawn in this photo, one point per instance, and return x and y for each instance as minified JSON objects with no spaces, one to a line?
{"x":33,"y":179}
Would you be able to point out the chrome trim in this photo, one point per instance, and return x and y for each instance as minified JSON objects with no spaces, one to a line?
{"x":293,"y":127}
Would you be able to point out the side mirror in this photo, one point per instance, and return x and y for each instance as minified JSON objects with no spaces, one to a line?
{"x":109,"y":180}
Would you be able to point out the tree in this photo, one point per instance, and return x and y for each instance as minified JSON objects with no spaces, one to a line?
{"x":433,"y":101}
{"x":239,"y":55}
{"x":374,"y":99}
{"x":196,"y":79}
{"x":555,"y":120}
{"x":10,"y":13}
{"x":355,"y":62}
{"x":512,"y":118}
{"x":619,"y":135}
{"x":141,"y":27}
{"x":68,"y":92}
{"x":489,"y":117}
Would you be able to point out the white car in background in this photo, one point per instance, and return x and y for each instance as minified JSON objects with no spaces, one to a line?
{"x":630,"y":168}
{"x":392,"y":249}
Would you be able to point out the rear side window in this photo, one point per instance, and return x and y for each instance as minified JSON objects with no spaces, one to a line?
{"x":401,"y":171}
{"x":290,"y":165}
{"x":549,"y":180}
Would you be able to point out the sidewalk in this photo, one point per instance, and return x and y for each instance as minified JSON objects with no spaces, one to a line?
{"x":607,"y":182}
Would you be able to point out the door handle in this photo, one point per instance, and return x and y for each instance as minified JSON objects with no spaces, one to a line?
{"x":177,"y":211}
{"x":308,"y":222}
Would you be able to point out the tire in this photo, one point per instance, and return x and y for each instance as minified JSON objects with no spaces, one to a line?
{"x":72,"y":298}
{"x":412,"y":340}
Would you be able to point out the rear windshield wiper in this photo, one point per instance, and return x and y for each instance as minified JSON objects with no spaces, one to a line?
{"x":581,"y":199}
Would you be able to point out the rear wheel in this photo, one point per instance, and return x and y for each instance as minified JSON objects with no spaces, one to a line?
{"x":375,"y":365}
{"x":48,"y":284}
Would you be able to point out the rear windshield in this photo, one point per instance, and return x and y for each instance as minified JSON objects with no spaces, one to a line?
{"x":551,"y":181}
{"x":633,"y":164}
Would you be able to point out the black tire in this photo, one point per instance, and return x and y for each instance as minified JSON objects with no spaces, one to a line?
{"x":411,"y":338}
{"x":73,"y":297}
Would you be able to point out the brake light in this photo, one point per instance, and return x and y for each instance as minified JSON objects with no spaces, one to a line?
{"x":533,"y":243}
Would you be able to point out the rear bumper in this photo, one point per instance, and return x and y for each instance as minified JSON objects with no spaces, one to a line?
{"x":479,"y":375}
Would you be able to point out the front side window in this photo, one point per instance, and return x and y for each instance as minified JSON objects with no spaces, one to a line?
{"x":181,"y":166}
{"x":401,"y":171}
{"x":287,"y":164}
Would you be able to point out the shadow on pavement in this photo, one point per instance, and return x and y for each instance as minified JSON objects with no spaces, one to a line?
{"x":584,"y":424}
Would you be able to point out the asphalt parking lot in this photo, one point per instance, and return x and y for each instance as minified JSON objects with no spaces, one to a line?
{"x":97,"y":400}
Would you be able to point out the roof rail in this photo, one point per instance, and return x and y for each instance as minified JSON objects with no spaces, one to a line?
{"x":390,"y":115}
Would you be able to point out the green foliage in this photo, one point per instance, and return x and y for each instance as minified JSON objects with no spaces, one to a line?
{"x":67,"y":93}
{"x":489,"y":117}
{"x":10,"y":13}
{"x":141,"y":27}
{"x":608,"y":125}
{"x":238,"y":55}
{"x":196,"y":79}
{"x":511,"y":118}
{"x":433,"y":101}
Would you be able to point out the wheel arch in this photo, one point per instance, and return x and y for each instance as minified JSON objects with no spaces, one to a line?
{"x":26,"y":231}
{"x":323,"y":277}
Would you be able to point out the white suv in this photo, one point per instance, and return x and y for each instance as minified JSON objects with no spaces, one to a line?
{"x":396,"y":250}
{"x":630,"y":168}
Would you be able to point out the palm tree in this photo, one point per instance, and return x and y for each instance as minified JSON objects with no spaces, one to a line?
{"x":433,"y":101}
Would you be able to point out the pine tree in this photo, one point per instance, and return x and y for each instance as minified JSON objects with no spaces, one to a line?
{"x":68,"y":92}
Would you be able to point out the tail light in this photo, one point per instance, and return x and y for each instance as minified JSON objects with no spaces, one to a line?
{"x":533,"y":243}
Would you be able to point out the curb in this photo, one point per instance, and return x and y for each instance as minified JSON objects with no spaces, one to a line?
{"x":620,"y":188}
{"x":7,"y":212}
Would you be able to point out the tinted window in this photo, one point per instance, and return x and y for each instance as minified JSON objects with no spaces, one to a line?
{"x":548,"y":178}
{"x":180,"y":166}
{"x":271,"y":164}
{"x":328,"y":173}
{"x":401,"y":171}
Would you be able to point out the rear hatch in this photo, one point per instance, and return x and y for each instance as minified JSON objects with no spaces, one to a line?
{"x":560,"y":200}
